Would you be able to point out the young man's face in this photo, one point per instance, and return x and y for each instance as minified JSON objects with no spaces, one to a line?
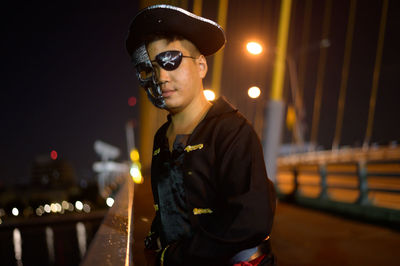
{"x":184,"y":84}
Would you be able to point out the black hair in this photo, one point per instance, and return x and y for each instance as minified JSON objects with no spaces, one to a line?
{"x":169,"y":37}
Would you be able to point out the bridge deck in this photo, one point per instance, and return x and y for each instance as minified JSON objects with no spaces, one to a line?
{"x":303,"y":236}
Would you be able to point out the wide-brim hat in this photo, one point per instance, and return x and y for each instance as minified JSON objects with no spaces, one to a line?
{"x":205,"y":34}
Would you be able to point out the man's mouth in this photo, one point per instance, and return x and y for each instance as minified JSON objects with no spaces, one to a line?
{"x":167,"y":93}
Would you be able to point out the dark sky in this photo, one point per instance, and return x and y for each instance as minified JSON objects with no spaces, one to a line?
{"x":66,"y":80}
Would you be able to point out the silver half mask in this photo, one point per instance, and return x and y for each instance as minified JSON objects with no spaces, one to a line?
{"x":146,"y":76}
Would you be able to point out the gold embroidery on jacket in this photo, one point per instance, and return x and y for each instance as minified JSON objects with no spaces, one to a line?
{"x":156,"y":152}
{"x":198,"y":211}
{"x":190,"y":148}
{"x":156,"y":207}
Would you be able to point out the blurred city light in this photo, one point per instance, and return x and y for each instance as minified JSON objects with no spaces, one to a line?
{"x":47,"y":208}
{"x":79,"y":205}
{"x":39,"y":212}
{"x":1,"y":221}
{"x":17,"y":241}
{"x":134,"y":155}
{"x":209,"y":94}
{"x":2,"y":212}
{"x":70,"y":206}
{"x":50,"y":244}
{"x":53,"y":155}
{"x":65,"y":205}
{"x":254,"y":48}
{"x":15,"y":211}
{"x":254,"y":92}
{"x":53,"y":207}
{"x":132,"y":101}
{"x":136,"y":173}
{"x":86,"y":208}
{"x":82,"y":240}
{"x":110,"y":202}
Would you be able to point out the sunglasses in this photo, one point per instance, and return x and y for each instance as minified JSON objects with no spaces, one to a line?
{"x":168,"y":60}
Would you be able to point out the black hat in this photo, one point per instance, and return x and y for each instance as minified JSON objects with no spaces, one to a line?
{"x":205,"y":34}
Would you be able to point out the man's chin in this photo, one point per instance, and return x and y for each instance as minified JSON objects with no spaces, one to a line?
{"x":172,"y":107}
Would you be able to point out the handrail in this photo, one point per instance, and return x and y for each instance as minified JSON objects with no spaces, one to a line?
{"x":113,"y":241}
{"x":355,"y":181}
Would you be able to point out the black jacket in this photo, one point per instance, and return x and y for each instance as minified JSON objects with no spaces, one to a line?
{"x":231,"y":199}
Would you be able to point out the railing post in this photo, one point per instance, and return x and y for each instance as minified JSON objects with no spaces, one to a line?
{"x":324,"y":185}
{"x":292,"y":195}
{"x":362,"y":183}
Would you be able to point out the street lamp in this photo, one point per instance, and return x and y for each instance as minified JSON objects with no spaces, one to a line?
{"x":254,"y":92}
{"x":209,"y":94}
{"x":254,"y":48}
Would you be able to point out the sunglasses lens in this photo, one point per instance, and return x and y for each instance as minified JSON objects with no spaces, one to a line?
{"x":169,"y":60}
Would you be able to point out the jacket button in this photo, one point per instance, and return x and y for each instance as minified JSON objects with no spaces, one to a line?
{"x":189,"y":172}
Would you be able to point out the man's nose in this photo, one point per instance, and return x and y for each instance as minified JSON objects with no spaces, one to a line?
{"x":162,"y":75}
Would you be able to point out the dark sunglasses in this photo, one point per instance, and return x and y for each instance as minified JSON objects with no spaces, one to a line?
{"x":170,"y":60}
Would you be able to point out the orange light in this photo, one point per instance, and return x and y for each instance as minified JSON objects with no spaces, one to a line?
{"x":254,"y":48}
{"x":209,"y":94}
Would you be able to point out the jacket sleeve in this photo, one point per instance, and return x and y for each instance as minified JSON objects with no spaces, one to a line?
{"x":244,"y":206}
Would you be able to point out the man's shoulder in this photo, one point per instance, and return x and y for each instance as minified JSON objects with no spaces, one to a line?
{"x":226,"y":114}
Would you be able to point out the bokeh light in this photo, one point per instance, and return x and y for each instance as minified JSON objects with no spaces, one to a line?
{"x":209,"y":94}
{"x":132,"y":101}
{"x":53,"y":155}
{"x":254,"y":48}
{"x":79,"y":205}
{"x":254,"y":92}
{"x":110,"y":202}
{"x":134,"y":155}
{"x":15,"y":211}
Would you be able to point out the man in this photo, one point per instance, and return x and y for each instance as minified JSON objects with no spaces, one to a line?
{"x":214,"y":203}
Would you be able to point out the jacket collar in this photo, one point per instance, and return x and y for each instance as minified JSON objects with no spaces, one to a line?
{"x":220,"y":106}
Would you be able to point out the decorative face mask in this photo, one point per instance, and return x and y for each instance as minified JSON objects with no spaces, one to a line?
{"x":146,"y":76}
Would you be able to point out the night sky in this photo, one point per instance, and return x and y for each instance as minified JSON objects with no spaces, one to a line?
{"x":66,"y":77}
{"x":66,"y":80}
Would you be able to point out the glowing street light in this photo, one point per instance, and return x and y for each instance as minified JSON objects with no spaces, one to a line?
{"x":79,"y":205}
{"x":134,"y":154}
{"x":136,"y":173}
{"x":209,"y":94}
{"x":254,"y":48}
{"x":15,"y":211}
{"x":254,"y":92}
{"x":110,"y":202}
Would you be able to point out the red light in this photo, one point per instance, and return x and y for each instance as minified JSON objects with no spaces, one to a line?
{"x":53,"y":155}
{"x":132,"y":101}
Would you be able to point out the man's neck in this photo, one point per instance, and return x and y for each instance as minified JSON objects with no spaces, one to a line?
{"x":185,"y":121}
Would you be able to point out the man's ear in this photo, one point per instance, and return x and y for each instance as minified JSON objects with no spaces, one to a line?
{"x":203,"y":68}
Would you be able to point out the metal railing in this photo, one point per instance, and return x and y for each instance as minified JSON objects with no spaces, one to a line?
{"x":112,"y":244}
{"x":357,"y":182}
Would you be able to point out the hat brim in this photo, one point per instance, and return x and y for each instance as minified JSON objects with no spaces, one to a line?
{"x":205,"y":34}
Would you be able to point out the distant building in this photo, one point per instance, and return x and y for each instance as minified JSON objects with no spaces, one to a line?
{"x":46,"y":172}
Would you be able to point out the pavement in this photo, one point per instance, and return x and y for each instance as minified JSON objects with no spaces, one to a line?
{"x":300,"y":236}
